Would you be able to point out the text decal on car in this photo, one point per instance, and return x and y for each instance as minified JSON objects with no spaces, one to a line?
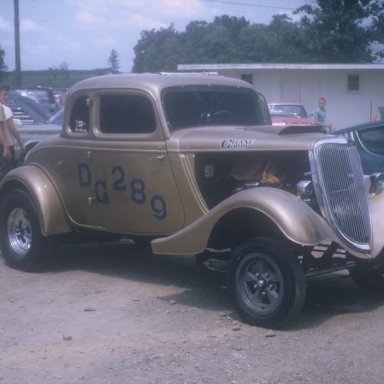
{"x":135,"y":187}
{"x":236,"y":143}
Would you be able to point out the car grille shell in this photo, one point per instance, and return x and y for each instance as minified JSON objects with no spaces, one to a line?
{"x":339,"y":186}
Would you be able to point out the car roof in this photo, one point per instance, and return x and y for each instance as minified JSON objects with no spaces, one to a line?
{"x":156,"y":81}
{"x":358,"y":127}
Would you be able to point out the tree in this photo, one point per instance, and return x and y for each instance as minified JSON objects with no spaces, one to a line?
{"x":157,"y":50}
{"x":279,"y":42}
{"x":64,"y":66}
{"x":163,"y":49}
{"x":219,"y":40}
{"x":3,"y":67}
{"x":329,"y":31}
{"x":113,"y":62}
{"x":338,"y":31}
{"x":377,"y":39}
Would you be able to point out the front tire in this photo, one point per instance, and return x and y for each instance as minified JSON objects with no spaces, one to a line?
{"x":22,"y":244}
{"x":267,"y":283}
{"x":368,"y":278}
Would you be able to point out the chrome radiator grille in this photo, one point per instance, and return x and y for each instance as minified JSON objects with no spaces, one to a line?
{"x":339,"y":185}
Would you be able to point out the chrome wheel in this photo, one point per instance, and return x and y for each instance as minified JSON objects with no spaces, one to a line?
{"x":19,"y":231}
{"x":22,"y":243}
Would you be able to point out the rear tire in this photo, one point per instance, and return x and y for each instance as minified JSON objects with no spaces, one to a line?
{"x":267,"y":283}
{"x":22,"y":244}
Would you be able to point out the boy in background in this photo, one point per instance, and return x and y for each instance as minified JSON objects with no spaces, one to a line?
{"x":8,"y":131}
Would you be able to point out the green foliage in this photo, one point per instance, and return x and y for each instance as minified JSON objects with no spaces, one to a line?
{"x":376,"y":11}
{"x":280,"y":42}
{"x":157,"y":50}
{"x":328,"y":31}
{"x":335,"y":32}
{"x":3,"y":67}
{"x":113,"y":62}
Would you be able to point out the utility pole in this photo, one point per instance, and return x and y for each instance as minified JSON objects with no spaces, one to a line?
{"x":17,"y":44}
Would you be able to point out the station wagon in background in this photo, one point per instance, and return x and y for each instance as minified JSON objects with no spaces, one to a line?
{"x":191,"y":164}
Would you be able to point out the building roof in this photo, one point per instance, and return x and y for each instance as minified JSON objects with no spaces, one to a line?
{"x":274,"y":66}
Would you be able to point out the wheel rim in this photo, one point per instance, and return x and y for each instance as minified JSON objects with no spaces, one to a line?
{"x":19,"y":231}
{"x":260,"y":283}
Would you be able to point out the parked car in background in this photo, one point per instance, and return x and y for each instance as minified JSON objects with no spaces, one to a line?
{"x":369,"y":139}
{"x":33,"y":121}
{"x":42,"y":95}
{"x":26,"y":109}
{"x":381,"y":111}
{"x":289,"y":114}
{"x":56,"y":118}
{"x":31,"y":134}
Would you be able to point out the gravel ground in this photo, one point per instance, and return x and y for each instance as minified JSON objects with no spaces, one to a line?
{"x":114,"y":314}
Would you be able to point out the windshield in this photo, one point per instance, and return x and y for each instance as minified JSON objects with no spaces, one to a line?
{"x":194,"y":106}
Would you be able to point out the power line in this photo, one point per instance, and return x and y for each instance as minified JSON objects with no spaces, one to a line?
{"x":247,"y":4}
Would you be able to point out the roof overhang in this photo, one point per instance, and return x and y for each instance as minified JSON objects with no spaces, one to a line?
{"x":276,"y":66}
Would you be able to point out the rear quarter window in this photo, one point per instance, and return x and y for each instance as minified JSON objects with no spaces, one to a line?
{"x":79,"y":119}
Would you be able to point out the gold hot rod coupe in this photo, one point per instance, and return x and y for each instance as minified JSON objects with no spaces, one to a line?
{"x":191,"y":164}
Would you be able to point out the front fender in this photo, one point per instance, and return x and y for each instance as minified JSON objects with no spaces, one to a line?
{"x":48,"y":203}
{"x":376,"y":207}
{"x":296,"y":220}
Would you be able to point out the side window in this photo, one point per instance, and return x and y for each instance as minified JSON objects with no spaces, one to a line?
{"x":373,"y":140}
{"x":79,"y":121}
{"x":126,"y":114}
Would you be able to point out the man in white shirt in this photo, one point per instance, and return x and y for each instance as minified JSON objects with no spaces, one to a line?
{"x":8,"y":130}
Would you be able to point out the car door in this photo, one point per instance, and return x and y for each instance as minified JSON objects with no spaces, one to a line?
{"x":121,"y":179}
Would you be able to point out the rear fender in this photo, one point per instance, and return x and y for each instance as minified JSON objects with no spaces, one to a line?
{"x":296,"y":220}
{"x":52,"y":216}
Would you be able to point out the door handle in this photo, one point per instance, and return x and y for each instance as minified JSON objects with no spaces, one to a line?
{"x":159,"y":157}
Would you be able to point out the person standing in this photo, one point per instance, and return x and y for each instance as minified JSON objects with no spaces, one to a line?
{"x":320,"y":115}
{"x":8,"y":132}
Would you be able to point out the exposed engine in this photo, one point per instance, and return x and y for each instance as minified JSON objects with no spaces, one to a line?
{"x":221,"y":175}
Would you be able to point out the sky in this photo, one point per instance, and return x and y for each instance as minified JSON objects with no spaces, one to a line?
{"x":82,"y":33}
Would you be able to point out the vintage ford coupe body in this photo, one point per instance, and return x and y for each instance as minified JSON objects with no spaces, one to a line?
{"x":191,"y":164}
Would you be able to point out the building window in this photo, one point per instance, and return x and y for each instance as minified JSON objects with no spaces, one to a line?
{"x":247,"y":77}
{"x":353,"y":83}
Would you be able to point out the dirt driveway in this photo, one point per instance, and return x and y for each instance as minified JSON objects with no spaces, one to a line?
{"x":113,"y":314}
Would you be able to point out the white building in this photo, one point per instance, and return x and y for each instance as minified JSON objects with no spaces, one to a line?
{"x":353,"y":91}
